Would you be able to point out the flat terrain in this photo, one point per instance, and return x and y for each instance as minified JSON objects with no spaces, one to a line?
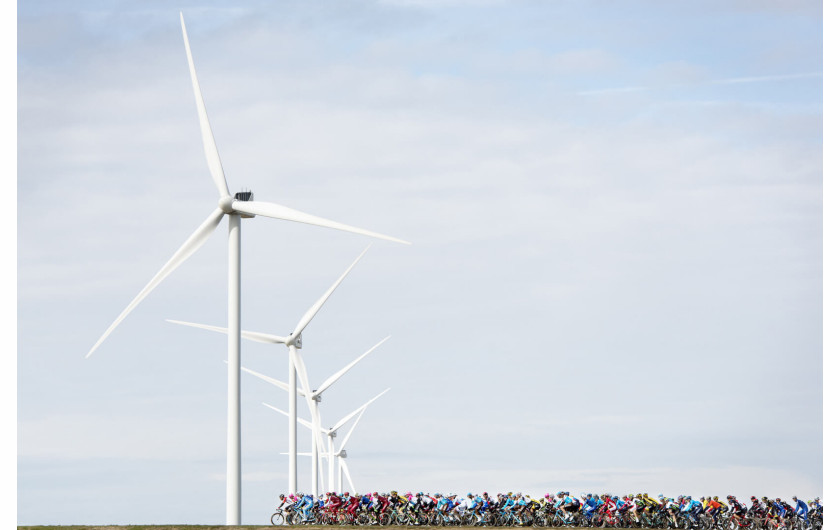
{"x":210,"y":527}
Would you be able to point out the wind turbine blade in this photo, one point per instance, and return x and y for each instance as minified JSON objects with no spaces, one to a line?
{"x":276,"y":211}
{"x":343,"y":465}
{"x":302,"y":421}
{"x":345,"y":419}
{"x":352,"y":428}
{"x":275,"y":382}
{"x":310,"y":314}
{"x":266,"y":378}
{"x":250,"y":335}
{"x":210,"y":151}
{"x":192,"y":244}
{"x":336,"y":376}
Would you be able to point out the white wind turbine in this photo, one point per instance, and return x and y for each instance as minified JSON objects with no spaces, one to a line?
{"x":235,"y":207}
{"x":294,"y":342}
{"x":314,"y":397}
{"x":337,"y":454}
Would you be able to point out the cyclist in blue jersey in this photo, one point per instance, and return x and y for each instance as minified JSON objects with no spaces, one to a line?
{"x":801,"y":509}
{"x":304,"y":505}
{"x":590,"y":505}
{"x":692,"y":508}
{"x":559,"y":502}
{"x":509,"y":502}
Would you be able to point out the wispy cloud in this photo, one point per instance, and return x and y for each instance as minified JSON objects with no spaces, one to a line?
{"x":727,"y":81}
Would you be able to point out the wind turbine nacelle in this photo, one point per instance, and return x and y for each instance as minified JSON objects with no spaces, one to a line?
{"x":245,"y":196}
{"x":342,"y":453}
{"x":299,"y":341}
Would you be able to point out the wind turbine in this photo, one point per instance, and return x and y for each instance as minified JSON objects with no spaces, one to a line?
{"x":314,"y":397}
{"x":294,"y":342}
{"x":241,"y":205}
{"x":337,"y":454}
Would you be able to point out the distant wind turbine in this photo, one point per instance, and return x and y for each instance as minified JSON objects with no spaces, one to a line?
{"x":294,"y":342}
{"x":333,"y":453}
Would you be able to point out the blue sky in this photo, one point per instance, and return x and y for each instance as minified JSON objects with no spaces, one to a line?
{"x":616,"y":212}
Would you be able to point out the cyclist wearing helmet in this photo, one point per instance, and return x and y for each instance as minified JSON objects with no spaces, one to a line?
{"x":801,"y":508}
{"x":305,"y":505}
{"x":757,"y":509}
{"x":692,"y":508}
{"x":713,"y":509}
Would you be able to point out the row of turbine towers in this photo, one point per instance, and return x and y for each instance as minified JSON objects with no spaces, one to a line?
{"x":237,"y":207}
{"x":334,"y":455}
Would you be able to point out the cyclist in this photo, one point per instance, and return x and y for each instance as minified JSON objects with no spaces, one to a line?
{"x":739,"y":511}
{"x":304,"y":504}
{"x":333,"y":503}
{"x":380,"y":504}
{"x":757,"y":509}
{"x":670,"y":508}
{"x":639,"y":506}
{"x":801,"y":509}
{"x":713,"y":508}
{"x":286,"y":504}
{"x":571,"y":504}
{"x":625,"y":508}
{"x":609,"y":505}
{"x":471,"y":504}
{"x":590,"y":505}
{"x":692,"y":508}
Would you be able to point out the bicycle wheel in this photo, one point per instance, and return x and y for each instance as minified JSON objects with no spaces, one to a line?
{"x":277,"y":518}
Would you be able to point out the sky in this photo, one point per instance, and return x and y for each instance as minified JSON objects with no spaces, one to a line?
{"x":615,"y":282}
